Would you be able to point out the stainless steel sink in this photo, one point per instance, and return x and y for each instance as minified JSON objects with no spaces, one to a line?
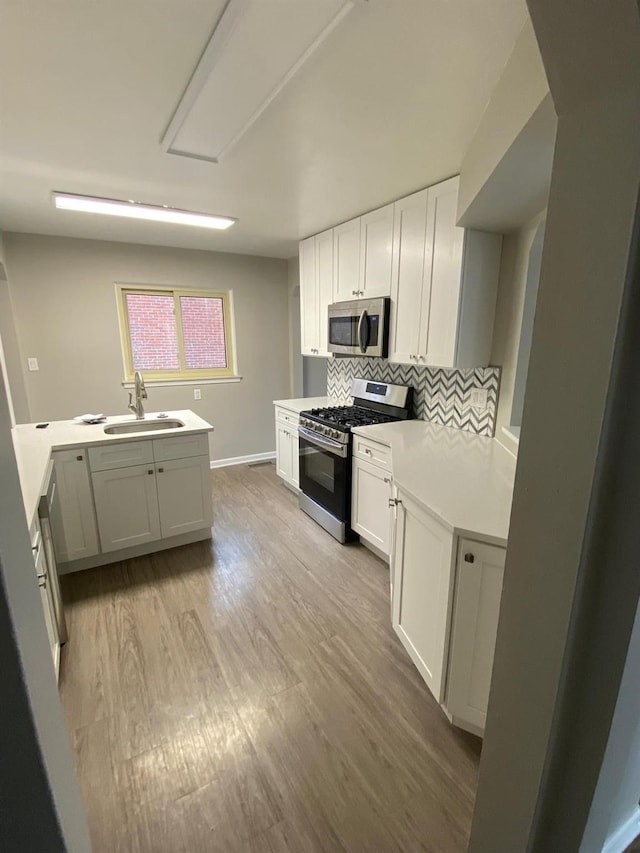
{"x":142,"y":426}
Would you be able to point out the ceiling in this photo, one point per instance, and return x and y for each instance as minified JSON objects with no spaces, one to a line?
{"x":385,"y":105}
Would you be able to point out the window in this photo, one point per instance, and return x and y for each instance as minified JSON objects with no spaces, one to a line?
{"x":171,"y":333}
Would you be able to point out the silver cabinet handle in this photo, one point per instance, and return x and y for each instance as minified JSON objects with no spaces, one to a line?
{"x":354,"y":292}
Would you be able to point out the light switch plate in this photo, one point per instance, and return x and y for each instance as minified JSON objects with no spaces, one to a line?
{"x":479,"y":398}
{"x":33,"y":363}
{"x":196,"y":394}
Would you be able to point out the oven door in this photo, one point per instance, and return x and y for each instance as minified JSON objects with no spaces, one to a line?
{"x":325,"y":471}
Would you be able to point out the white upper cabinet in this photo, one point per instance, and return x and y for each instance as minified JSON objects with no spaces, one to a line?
{"x":376,"y":244}
{"x":442,"y":279}
{"x":316,"y":292}
{"x":346,"y":260}
{"x":444,"y":283}
{"x":324,"y":266}
{"x":410,"y":288}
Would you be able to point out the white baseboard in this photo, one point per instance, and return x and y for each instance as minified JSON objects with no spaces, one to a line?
{"x":624,"y":835}
{"x":243,"y":460}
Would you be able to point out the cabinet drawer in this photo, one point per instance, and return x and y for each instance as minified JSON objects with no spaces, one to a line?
{"x":119,"y":454}
{"x":284,"y":416}
{"x":180,"y":446}
{"x":372,"y":451}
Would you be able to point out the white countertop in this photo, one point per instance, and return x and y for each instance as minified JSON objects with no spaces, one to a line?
{"x":33,"y":446}
{"x":302,"y":403}
{"x":464,"y":480}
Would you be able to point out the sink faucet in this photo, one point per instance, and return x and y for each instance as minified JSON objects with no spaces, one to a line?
{"x":141,"y":394}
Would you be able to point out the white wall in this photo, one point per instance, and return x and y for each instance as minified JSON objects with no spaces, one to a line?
{"x":592,"y":59}
{"x":506,"y":169}
{"x":65,"y":311}
{"x":40,"y":796}
{"x":9,"y":349}
{"x":514,"y":266}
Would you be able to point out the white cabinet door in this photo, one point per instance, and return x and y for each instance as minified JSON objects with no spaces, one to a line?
{"x":376,"y":245}
{"x":410,"y":289}
{"x":475,"y":624}
{"x":443,"y":259}
{"x":47,"y":606}
{"x":284,"y":453}
{"x":126,"y":506}
{"x":184,"y":495}
{"x":346,"y":260}
{"x":423,"y":567}
{"x":308,"y":297}
{"x":324,"y":278}
{"x":295,"y":457}
{"x":79,"y":529}
{"x":370,"y":511}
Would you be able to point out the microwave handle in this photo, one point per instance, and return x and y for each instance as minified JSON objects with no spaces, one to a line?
{"x":363,"y":331}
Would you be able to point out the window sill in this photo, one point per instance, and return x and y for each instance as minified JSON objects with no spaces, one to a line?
{"x":168,"y":383}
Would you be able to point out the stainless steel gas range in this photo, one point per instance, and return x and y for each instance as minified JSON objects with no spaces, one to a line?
{"x":325,"y":449}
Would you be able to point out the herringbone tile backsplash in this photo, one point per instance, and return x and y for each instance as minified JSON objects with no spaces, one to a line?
{"x":440,"y":396}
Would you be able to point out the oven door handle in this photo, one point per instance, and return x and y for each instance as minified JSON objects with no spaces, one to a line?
{"x":334,"y":447}
{"x":363,"y":326}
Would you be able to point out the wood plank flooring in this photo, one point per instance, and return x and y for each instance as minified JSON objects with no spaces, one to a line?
{"x":248,"y":695}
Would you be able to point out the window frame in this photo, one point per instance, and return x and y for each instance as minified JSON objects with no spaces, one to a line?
{"x":184,"y":374}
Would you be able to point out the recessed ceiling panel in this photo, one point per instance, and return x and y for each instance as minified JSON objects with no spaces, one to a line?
{"x":255,"y":49}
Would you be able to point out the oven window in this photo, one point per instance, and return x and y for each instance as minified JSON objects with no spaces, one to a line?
{"x":342,"y":331}
{"x":326,"y":478}
{"x":320,"y":468}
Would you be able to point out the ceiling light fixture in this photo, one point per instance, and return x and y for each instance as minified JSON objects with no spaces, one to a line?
{"x":137,"y":210}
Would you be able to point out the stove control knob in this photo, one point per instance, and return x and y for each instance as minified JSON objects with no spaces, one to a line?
{"x":335,"y":433}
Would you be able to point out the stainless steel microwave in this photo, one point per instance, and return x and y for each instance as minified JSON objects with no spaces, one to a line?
{"x":360,"y":327}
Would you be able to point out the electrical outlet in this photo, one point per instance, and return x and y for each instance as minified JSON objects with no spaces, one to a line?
{"x":479,"y":398}
{"x":196,"y":394}
{"x":33,"y":363}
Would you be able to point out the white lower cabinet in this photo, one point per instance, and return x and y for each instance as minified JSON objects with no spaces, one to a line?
{"x":450,"y":637}
{"x":370,"y":513}
{"x":479,"y":577}
{"x":127,"y":506}
{"x":126,"y":494}
{"x":287,"y":447}
{"x":79,"y":529}
{"x":423,"y":571}
{"x":184,"y":495}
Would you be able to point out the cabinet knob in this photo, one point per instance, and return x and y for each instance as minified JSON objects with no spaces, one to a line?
{"x":354,"y":292}
{"x":150,"y":471}
{"x":79,"y":458}
{"x":469,"y":558}
{"x":387,"y":480}
{"x":368,"y":452}
{"x":160,"y":470}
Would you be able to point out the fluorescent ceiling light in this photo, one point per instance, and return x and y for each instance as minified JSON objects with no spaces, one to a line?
{"x":136,"y":210}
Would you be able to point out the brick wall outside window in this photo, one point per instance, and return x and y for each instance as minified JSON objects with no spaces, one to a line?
{"x":152,"y":328}
{"x":203,"y":332}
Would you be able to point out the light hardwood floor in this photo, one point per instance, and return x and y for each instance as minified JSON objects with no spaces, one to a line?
{"x":249,"y":695}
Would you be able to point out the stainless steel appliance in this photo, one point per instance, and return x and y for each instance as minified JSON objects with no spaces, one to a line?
{"x":325,"y":449}
{"x":360,"y":327}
